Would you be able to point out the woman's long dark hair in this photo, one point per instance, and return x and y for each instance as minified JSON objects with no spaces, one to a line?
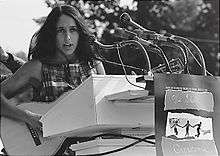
{"x":44,"y":46}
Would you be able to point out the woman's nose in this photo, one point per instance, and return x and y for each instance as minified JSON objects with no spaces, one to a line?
{"x":67,"y":36}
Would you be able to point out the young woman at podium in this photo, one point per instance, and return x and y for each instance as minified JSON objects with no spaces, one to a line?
{"x":60,"y":60}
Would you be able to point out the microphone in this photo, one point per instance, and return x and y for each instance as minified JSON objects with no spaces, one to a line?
{"x":126,"y":20}
{"x":155,"y":36}
{"x":145,"y":42}
{"x":123,"y":33}
{"x":143,"y":32}
{"x":126,"y":34}
{"x":93,"y":41}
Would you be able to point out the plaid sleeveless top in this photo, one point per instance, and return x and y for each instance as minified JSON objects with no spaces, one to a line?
{"x":59,"y":78}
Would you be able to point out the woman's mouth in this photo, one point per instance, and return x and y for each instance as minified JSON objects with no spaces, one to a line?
{"x":68,"y":45}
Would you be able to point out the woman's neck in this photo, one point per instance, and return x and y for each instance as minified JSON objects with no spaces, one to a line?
{"x":60,"y":58}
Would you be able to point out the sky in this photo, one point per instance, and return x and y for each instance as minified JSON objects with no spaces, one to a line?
{"x":16,"y":24}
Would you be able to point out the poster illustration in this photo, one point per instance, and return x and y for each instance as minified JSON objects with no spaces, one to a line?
{"x":185,"y":126}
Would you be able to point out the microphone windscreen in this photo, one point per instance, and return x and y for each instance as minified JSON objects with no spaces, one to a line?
{"x":119,"y":32}
{"x":91,"y":39}
{"x":125,"y":18}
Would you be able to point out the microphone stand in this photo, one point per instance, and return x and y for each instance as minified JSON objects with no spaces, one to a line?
{"x":161,"y":40}
{"x":196,"y":48}
{"x":154,"y":48}
{"x":125,"y":43}
{"x":149,"y":84}
{"x":149,"y":80}
{"x":182,"y":48}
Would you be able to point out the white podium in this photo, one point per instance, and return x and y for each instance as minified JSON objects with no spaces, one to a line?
{"x":103,"y":103}
{"x":106,"y":145}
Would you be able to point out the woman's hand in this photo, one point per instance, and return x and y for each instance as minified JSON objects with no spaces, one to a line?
{"x":33,"y":120}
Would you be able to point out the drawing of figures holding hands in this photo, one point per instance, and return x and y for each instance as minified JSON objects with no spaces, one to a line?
{"x":175,"y":126}
{"x":198,"y":129}
{"x":187,"y":125}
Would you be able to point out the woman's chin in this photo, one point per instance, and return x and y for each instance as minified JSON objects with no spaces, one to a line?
{"x":68,"y":52}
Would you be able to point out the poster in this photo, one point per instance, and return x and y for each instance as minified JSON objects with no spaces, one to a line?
{"x":187,"y":115}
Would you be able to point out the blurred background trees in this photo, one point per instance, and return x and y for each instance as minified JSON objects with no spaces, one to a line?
{"x":197,"y":20}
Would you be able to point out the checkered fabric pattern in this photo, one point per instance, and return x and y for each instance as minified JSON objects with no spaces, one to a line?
{"x":59,"y":78}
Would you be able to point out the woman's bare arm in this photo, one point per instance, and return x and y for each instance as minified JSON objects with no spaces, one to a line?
{"x":19,"y":81}
{"x":10,"y":111}
{"x":16,"y":84}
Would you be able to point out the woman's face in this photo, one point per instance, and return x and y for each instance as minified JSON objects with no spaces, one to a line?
{"x":67,"y":35}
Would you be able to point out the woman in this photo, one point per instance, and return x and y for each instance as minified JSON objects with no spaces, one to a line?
{"x":60,"y":60}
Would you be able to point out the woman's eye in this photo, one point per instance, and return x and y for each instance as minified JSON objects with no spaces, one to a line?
{"x":60,"y":30}
{"x":73,"y":29}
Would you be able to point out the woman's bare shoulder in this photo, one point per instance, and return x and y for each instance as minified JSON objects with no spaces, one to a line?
{"x":25,"y":72}
{"x":31,"y":68}
{"x":20,"y":79}
{"x":33,"y":64}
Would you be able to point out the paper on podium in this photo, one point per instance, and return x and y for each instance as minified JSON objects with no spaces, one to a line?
{"x":128,"y":95}
{"x":86,"y":109}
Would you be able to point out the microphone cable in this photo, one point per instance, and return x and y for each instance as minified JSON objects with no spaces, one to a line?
{"x":100,"y":57}
{"x":185,"y":51}
{"x":125,"y":147}
{"x":119,"y":64}
{"x":122,"y":64}
{"x":200,"y":64}
{"x":147,"y":59}
{"x":203,"y":65}
{"x":178,"y":46}
{"x":124,"y":136}
{"x":140,"y":37}
{"x":164,"y":58}
{"x":125,"y":43}
{"x":151,"y":35}
{"x":123,"y":67}
{"x":162,"y":40}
